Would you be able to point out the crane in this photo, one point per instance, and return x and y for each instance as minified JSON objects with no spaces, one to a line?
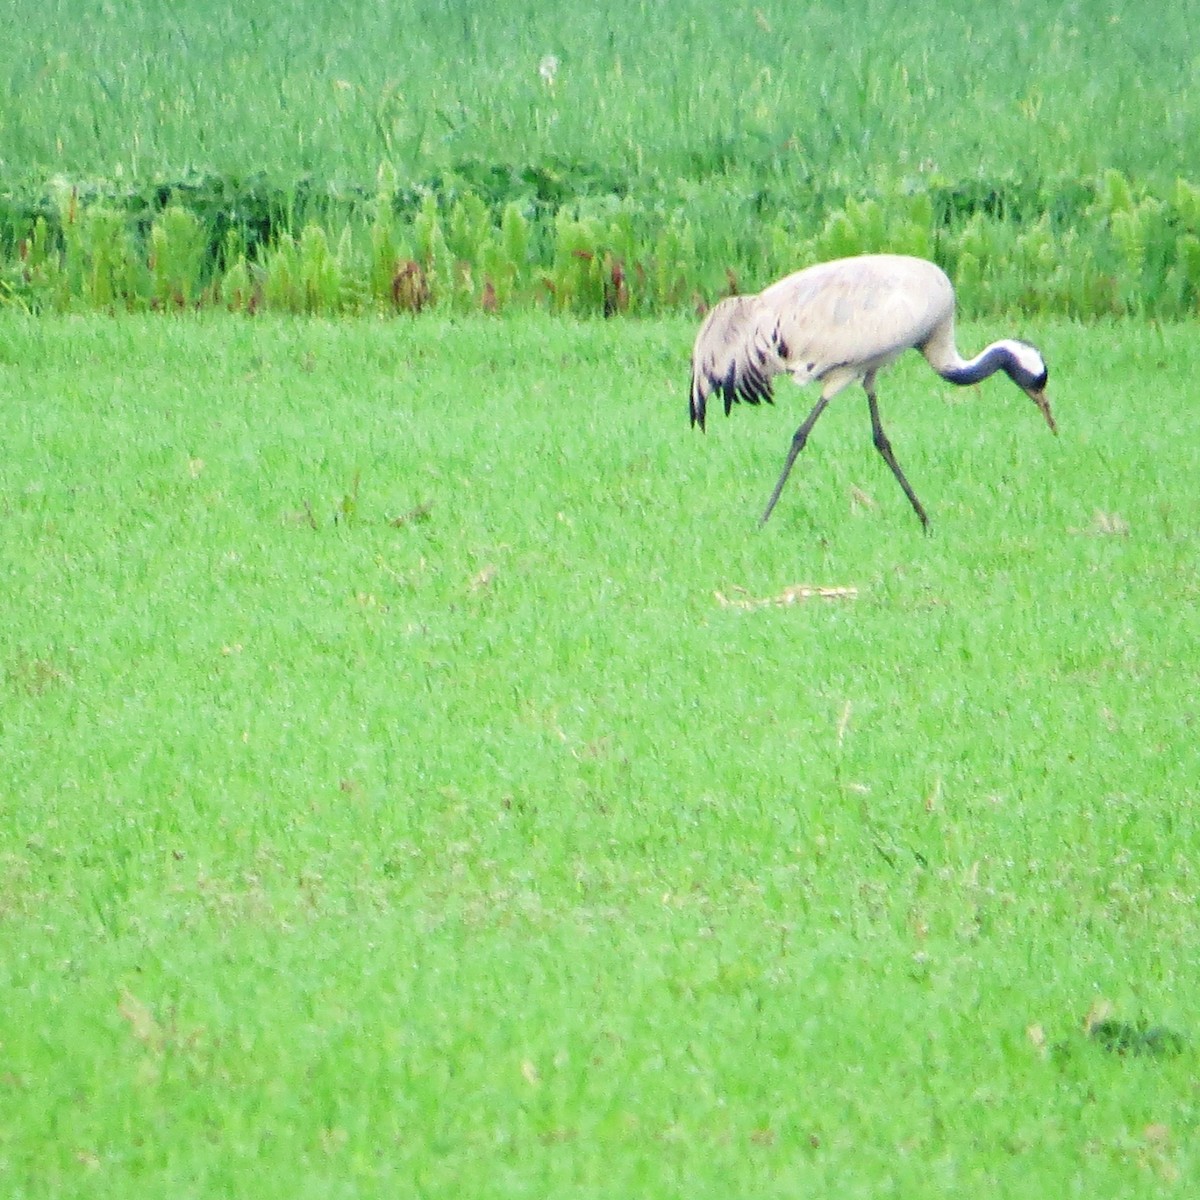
{"x":842,"y":322}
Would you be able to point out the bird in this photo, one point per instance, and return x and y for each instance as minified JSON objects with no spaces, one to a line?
{"x":842,"y":322}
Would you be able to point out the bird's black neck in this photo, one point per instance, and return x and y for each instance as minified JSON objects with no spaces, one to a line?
{"x":997,"y":357}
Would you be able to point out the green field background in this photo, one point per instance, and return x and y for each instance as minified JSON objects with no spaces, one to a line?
{"x":418,"y":776}
{"x":672,"y":150}
{"x":832,"y":94}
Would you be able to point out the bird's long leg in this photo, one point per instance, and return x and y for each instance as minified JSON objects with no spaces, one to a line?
{"x":798,"y":440}
{"x":885,"y":448}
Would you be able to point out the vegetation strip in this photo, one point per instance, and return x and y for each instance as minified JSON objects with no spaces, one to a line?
{"x":1116,"y":248}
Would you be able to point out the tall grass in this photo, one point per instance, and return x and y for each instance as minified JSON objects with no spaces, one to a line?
{"x":829,"y":94}
{"x":1124,"y":251}
{"x":656,"y":152}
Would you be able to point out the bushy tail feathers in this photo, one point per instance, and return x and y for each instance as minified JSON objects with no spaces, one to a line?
{"x":737,"y":352}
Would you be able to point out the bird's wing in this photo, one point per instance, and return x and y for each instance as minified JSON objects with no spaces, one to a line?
{"x":845,"y":318}
{"x":737,"y":352}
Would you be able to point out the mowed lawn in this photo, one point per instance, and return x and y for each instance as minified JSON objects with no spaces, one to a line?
{"x":412,"y":782}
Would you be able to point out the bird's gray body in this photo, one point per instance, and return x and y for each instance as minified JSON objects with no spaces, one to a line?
{"x":839,"y":323}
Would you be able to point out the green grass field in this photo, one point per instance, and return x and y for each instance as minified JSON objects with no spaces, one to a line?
{"x":412,"y":781}
{"x":207,"y":154}
{"x":391,"y":807}
{"x":641,"y":89}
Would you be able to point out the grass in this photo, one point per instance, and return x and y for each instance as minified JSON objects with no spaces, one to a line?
{"x":843,"y":96}
{"x":390,"y":806}
{"x":390,"y":803}
{"x":337,"y":158}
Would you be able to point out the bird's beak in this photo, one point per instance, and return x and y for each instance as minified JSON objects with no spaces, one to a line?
{"x":1038,"y":396}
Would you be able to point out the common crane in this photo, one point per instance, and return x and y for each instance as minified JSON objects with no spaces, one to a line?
{"x":840,"y":322}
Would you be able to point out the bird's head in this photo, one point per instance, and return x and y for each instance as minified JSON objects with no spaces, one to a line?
{"x":1028,"y":371}
{"x":1038,"y":396}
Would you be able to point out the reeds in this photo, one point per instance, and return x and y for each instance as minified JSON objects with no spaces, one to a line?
{"x":1115,"y":248}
